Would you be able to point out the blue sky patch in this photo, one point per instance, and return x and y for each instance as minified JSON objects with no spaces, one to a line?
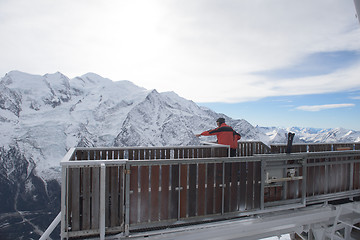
{"x":316,"y":64}
{"x":288,"y":111}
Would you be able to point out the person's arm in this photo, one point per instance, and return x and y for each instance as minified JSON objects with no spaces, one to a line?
{"x":237,"y":136}
{"x":206,"y":133}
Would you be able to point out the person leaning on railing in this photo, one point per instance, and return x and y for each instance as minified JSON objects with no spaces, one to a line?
{"x":225,"y":135}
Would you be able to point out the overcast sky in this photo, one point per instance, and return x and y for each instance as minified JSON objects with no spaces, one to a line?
{"x":223,"y":51}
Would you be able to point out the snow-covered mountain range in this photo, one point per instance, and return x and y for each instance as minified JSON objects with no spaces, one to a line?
{"x":41,"y":117}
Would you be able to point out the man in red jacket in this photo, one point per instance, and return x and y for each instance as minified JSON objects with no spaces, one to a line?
{"x":225,"y":135}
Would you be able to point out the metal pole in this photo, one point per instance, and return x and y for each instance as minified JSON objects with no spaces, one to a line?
{"x":102,"y":201}
{"x":51,"y":228}
{"x":64,"y":206}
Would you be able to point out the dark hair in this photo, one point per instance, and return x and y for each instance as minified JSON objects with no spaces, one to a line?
{"x":220,"y":120}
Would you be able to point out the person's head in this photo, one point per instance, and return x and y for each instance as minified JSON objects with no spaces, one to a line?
{"x":220,"y":121}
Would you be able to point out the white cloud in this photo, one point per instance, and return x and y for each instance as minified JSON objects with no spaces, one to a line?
{"x":316,"y":108}
{"x":204,"y":50}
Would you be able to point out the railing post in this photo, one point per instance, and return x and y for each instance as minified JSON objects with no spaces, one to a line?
{"x":102,"y":201}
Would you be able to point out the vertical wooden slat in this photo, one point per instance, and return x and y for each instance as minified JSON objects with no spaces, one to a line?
{"x":183,"y":191}
{"x":114,"y":197}
{"x":234,"y":186}
{"x":227,"y":187}
{"x":201,"y":190}
{"x":243,"y":192}
{"x":165,"y":178}
{"x":192,"y":190}
{"x":144,"y":194}
{"x":257,"y":184}
{"x":174,"y":204}
{"x":154,"y":206}
{"x":250,"y":186}
{"x":134,"y":194}
{"x":95,"y":197}
{"x":356,"y":175}
{"x":86,"y":198}
{"x":121,"y":184}
{"x":310,"y":179}
{"x":210,"y":189}
{"x":108,"y":197}
{"x":218,"y":188}
{"x":75,"y":199}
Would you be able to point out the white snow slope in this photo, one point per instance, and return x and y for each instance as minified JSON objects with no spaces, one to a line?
{"x":44,"y":116}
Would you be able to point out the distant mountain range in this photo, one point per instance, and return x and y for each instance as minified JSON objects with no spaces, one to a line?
{"x":42,"y":117}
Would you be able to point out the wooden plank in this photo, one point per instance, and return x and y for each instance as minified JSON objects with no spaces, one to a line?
{"x":321,"y":176}
{"x":218,"y":188}
{"x":121,"y":196}
{"x":257,"y":184}
{"x":174,"y":194}
{"x":227,"y":187}
{"x":356,"y":175}
{"x":134,"y":194}
{"x":95,"y":197}
{"x":107,"y":197}
{"x":154,"y":206}
{"x":235,"y":176}
{"x":75,"y":199}
{"x":86,"y":199}
{"x":91,"y":155}
{"x":243,"y":191}
{"x":183,"y":191}
{"x":144,"y":194}
{"x":104,"y":155}
{"x":192,"y":190}
{"x":310,"y":180}
{"x":210,"y":188}
{"x":114,"y":197}
{"x":201,"y":190}
{"x":165,"y":198}
{"x":250,"y":186}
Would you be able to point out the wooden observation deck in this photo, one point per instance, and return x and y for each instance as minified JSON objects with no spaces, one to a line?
{"x":123,"y":191}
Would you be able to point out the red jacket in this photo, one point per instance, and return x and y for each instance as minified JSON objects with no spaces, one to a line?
{"x":225,"y":135}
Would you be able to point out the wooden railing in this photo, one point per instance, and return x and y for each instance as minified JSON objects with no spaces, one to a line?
{"x":105,"y":191}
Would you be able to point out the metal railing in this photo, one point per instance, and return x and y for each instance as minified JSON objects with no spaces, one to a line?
{"x":106,"y":191}
{"x":315,"y":147}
